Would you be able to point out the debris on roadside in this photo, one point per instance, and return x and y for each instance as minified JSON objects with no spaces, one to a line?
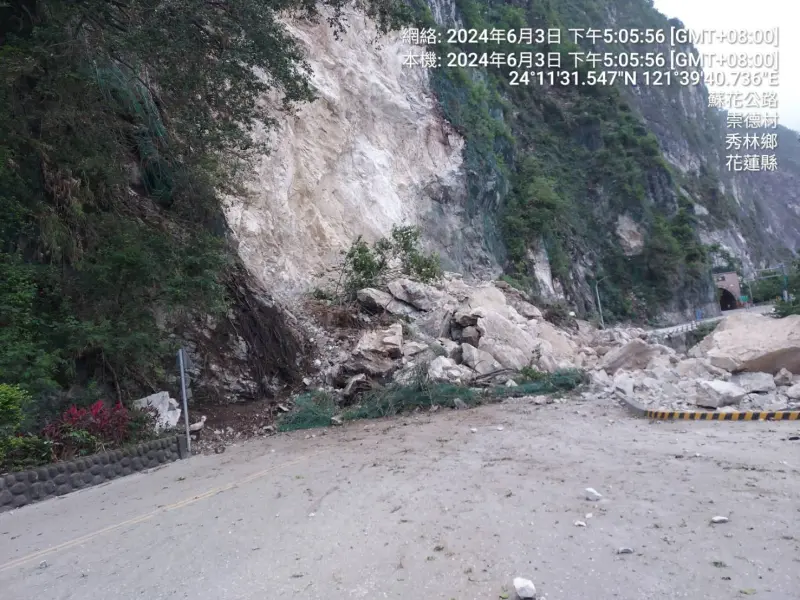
{"x":524,"y":588}
{"x":592,"y":494}
{"x":717,"y":520}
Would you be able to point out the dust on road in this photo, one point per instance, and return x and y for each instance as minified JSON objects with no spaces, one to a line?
{"x":423,"y":507}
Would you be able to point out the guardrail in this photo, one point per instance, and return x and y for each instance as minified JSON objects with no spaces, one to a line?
{"x":667,"y":332}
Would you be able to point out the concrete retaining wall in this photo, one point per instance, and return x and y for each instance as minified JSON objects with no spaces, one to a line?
{"x":26,"y":487}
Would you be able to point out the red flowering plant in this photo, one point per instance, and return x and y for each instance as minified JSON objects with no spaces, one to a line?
{"x":82,"y":431}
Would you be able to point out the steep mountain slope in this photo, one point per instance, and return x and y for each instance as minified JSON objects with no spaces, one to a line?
{"x":661,"y":199}
{"x":561,"y":186}
{"x":371,"y":152}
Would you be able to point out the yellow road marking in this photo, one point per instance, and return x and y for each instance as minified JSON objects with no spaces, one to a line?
{"x":136,"y":520}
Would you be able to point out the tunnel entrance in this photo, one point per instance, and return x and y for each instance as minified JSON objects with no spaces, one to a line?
{"x":727,"y":301}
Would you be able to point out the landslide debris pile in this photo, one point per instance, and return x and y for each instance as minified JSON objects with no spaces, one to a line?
{"x":488,"y":333}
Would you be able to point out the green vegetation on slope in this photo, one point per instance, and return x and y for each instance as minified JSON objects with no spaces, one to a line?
{"x":119,"y":124}
{"x":567,"y":160}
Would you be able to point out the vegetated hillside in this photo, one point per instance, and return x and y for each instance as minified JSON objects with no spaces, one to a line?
{"x":120,"y":125}
{"x":625,"y":186}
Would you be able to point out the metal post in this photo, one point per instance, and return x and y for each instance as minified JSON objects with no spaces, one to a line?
{"x":785,"y":283}
{"x":185,"y":402}
{"x":599,"y":305}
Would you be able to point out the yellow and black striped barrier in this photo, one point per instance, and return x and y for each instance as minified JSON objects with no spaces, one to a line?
{"x":691,"y":415}
{"x":749,"y":415}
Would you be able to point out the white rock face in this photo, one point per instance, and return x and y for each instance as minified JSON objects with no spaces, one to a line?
{"x":630,"y":235}
{"x":369,"y":153}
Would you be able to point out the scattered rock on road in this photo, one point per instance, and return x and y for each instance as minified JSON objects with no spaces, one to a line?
{"x":593,"y":494}
{"x":524,"y":588}
{"x":717,"y":520}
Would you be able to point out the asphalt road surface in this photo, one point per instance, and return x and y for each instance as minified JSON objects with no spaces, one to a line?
{"x":423,"y":507}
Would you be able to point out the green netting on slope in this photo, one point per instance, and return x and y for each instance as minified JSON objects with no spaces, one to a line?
{"x":122,"y":88}
{"x":559,"y":381}
{"x":397,"y":399}
{"x":317,"y":409}
{"x":311,"y":411}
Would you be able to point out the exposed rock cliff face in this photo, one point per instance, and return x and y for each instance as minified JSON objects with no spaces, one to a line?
{"x":374,"y":150}
{"x":753,"y":215}
{"x":371,"y":152}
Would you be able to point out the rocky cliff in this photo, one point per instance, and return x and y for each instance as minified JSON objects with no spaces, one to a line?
{"x":557,"y":187}
{"x":371,"y":152}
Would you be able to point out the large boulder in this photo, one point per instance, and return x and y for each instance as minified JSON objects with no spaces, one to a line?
{"x":436,"y":323}
{"x":510,"y":345}
{"x":442,"y":368}
{"x":167,"y":410}
{"x":377,"y":300}
{"x":371,"y":364}
{"x":698,"y":368}
{"x":759,"y":383}
{"x":633,"y":356}
{"x":526,"y":309}
{"x":471,"y":336}
{"x":382,"y":342}
{"x":508,"y":355}
{"x":561,"y":347}
{"x":783,"y":377}
{"x":483,"y":362}
{"x":794,"y":392}
{"x":490,"y":298}
{"x":719,"y":393}
{"x":419,"y":295}
{"x":754,"y":343}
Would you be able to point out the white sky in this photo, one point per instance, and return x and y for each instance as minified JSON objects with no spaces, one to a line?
{"x":751,"y":15}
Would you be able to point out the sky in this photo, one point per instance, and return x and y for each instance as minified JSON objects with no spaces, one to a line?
{"x":751,"y":15}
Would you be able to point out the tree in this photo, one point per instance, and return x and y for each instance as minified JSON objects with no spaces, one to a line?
{"x":102,"y":98}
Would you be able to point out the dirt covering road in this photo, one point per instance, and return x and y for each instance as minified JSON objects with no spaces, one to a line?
{"x":424,"y":507}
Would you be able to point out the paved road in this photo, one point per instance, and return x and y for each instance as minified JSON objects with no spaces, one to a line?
{"x":762,"y":309}
{"x":423,"y":508}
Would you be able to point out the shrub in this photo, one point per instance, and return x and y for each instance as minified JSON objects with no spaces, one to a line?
{"x":82,"y":431}
{"x":143,"y":423}
{"x":400,"y":254}
{"x":19,"y":453}
{"x":12,"y":400}
{"x":558,"y":315}
{"x":529,"y":374}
